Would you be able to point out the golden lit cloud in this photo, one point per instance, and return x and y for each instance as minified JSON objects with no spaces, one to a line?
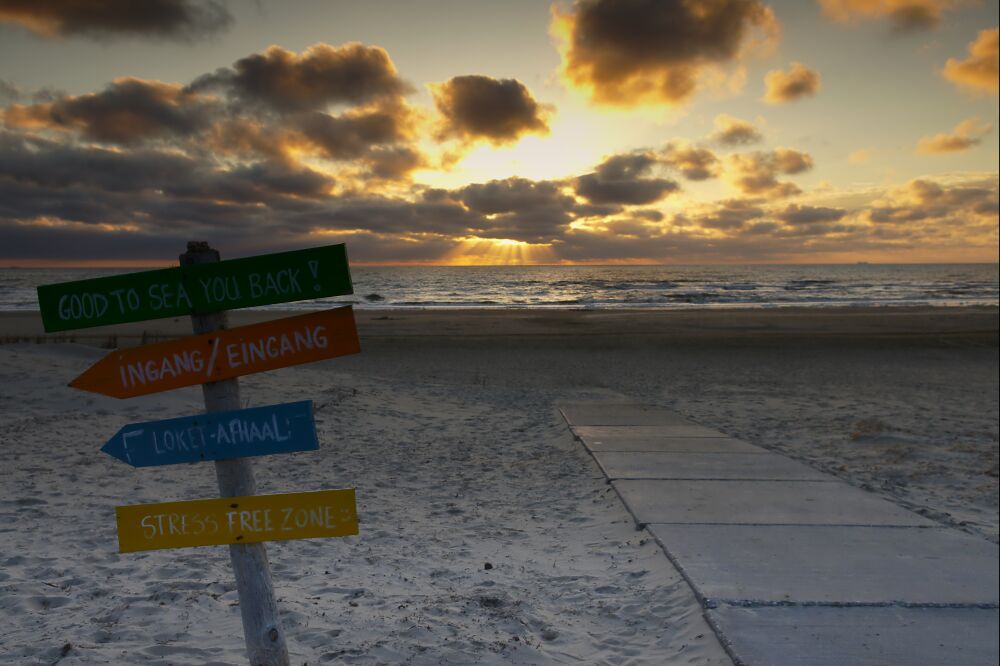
{"x":904,"y":15}
{"x":978,"y":72}
{"x":966,"y":134}
{"x":730,"y":131}
{"x":655,"y":51}
{"x":756,"y":173}
{"x":694,"y":163}
{"x":798,"y":81}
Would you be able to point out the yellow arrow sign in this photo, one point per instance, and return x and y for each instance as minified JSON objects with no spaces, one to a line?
{"x":214,"y":522}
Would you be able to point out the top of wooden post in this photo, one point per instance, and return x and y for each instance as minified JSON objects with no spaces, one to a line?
{"x":199,"y":252}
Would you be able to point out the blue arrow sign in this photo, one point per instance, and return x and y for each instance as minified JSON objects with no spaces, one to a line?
{"x":258,"y":431}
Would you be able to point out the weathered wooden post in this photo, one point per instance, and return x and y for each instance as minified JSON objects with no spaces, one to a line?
{"x":261,"y":626}
{"x":205,"y":288}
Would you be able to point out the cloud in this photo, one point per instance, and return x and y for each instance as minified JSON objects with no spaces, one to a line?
{"x":966,"y":134}
{"x":128,"y":111}
{"x":654,"y":51}
{"x":320,"y":76}
{"x":480,"y":107}
{"x":513,"y":195}
{"x":795,"y":214}
{"x":350,"y":135}
{"x":251,"y":112}
{"x":730,"y":131}
{"x":756,"y":173}
{"x":620,"y":179}
{"x":730,"y":214}
{"x":799,"y":81}
{"x":393,"y":162}
{"x":903,"y":15}
{"x":926,"y":201}
{"x":183,"y":20}
{"x":694,"y":163}
{"x":979,"y":71}
{"x":521,"y":209}
{"x":61,"y":200}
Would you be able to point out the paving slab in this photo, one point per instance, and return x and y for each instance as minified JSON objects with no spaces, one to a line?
{"x":646,"y":432}
{"x":671,"y":444}
{"x":859,"y":636}
{"x":760,"y":502}
{"x":660,"y":465}
{"x":807,"y":564}
{"x":612,"y":414}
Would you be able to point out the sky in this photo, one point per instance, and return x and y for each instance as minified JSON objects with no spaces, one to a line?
{"x":467,"y":132}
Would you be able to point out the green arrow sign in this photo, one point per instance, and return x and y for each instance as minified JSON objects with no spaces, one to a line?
{"x":170,"y":292}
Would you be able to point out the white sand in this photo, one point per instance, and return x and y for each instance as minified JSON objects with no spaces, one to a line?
{"x":449,"y":478}
{"x":446,"y":425}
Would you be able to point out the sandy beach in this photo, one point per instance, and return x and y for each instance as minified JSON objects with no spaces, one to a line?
{"x":488,"y":535}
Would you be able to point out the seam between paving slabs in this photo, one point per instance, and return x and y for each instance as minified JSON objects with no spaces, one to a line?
{"x":724,"y":641}
{"x":710,"y":478}
{"x":708,"y":604}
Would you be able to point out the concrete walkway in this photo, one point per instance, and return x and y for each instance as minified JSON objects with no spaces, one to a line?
{"x":791,"y":565}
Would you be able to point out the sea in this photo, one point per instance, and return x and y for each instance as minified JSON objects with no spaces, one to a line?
{"x":614,"y":287}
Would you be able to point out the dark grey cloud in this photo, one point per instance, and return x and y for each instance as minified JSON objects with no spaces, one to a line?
{"x":183,"y":20}
{"x":155,"y":191}
{"x":653,"y":50}
{"x":383,"y":215}
{"x":621,"y":179}
{"x":321,"y":76}
{"x":480,"y":107}
{"x":54,"y":165}
{"x":520,"y":209}
{"x":512,"y":195}
{"x":393,"y":162}
{"x":349,"y":135}
{"x":128,"y":111}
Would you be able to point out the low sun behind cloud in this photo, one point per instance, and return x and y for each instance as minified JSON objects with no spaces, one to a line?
{"x":653,"y":52}
{"x":623,"y":152}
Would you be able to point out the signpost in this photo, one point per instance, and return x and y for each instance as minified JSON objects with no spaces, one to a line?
{"x":236,"y":520}
{"x":223,"y":354}
{"x":258,"y":431}
{"x":196,"y":289}
{"x":205,"y":288}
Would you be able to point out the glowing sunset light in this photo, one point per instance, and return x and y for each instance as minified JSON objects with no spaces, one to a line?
{"x":582,"y":131}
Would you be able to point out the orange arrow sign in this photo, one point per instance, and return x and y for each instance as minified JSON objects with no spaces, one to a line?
{"x":224,"y":354}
